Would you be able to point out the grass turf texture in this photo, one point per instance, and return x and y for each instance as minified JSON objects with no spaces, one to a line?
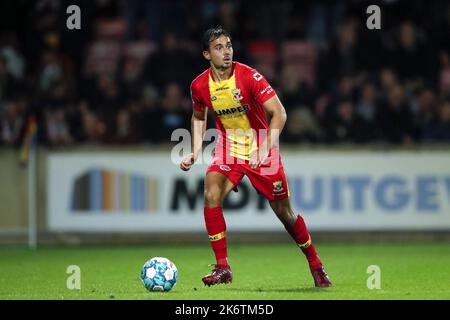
{"x":260,"y":272}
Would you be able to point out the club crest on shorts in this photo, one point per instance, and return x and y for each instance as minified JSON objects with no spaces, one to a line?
{"x":278,"y":186}
{"x":237,"y":94}
{"x":224,"y":167}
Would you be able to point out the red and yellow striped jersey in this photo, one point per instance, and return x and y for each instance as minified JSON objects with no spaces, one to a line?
{"x":238,"y":106}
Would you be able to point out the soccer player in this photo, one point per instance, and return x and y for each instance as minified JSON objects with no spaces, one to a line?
{"x":247,"y":145}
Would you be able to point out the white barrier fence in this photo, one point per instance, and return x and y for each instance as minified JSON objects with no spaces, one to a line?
{"x":333,"y":191}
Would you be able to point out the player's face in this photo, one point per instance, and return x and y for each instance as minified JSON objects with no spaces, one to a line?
{"x":220,"y":52}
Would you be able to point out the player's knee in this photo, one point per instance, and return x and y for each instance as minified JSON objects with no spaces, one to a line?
{"x":283,"y":212}
{"x":212,"y":197}
{"x":278,"y":208}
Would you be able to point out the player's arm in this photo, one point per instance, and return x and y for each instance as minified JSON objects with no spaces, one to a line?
{"x":198,"y":128}
{"x":275,"y":108}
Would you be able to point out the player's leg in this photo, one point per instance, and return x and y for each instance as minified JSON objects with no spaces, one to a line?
{"x":217,"y":187}
{"x":275,"y":188}
{"x":296,"y":227}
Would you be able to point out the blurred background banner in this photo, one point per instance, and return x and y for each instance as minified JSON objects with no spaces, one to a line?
{"x":335,"y":191}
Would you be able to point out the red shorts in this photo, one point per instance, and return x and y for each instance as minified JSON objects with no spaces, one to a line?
{"x":268,"y":179}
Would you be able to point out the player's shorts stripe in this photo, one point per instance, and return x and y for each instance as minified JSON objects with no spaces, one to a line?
{"x":216,"y":237}
{"x":305,"y":245}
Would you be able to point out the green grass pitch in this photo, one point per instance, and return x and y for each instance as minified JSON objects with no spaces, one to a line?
{"x":279,"y":271}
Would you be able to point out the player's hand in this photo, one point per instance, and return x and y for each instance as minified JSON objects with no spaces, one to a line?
{"x":187,"y":162}
{"x":257,"y":157}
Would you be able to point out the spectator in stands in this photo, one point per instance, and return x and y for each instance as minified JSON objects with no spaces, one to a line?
{"x":444,"y":76}
{"x":7,"y":82}
{"x":367,"y":107}
{"x":15,"y":63}
{"x":12,"y":120}
{"x":442,"y":129}
{"x":94,"y":129}
{"x":107,"y":99}
{"x":302,"y":127}
{"x":345,"y":91}
{"x":159,"y":17}
{"x":346,"y":126}
{"x":73,"y":82}
{"x":367,"y":104}
{"x":222,"y":13}
{"x":150,"y":113}
{"x":51,"y":71}
{"x":426,"y":114}
{"x":57,"y":129}
{"x":74,"y":119}
{"x":388,"y":79}
{"x":394,"y":118}
{"x":173,"y":114}
{"x":169,"y":63}
{"x":412,"y":58}
{"x":293,"y":90}
{"x":125,"y":131}
{"x":132,"y":77}
{"x":323,"y":20}
{"x":342,"y":58}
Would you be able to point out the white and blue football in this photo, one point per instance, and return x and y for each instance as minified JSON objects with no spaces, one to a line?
{"x":159,"y":274}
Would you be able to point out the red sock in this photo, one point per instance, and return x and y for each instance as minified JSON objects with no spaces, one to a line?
{"x":216,"y":228}
{"x":303,"y":240}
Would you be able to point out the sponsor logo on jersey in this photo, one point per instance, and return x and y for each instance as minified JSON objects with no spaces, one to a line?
{"x":228,"y":111}
{"x":213,"y":98}
{"x":222,"y":88}
{"x":267,"y":90}
{"x":237,"y":94}
{"x":278,"y":186}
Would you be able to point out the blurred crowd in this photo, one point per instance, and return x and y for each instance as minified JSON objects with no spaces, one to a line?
{"x":124,"y":77}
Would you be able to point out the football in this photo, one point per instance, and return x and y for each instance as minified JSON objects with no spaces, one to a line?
{"x":159,"y":274}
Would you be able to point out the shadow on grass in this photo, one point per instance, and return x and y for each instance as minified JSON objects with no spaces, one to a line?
{"x":294,"y":290}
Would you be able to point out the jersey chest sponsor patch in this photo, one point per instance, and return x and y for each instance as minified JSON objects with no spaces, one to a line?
{"x":226,"y":101}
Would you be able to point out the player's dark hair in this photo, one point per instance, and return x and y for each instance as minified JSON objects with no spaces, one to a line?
{"x":212,"y":34}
